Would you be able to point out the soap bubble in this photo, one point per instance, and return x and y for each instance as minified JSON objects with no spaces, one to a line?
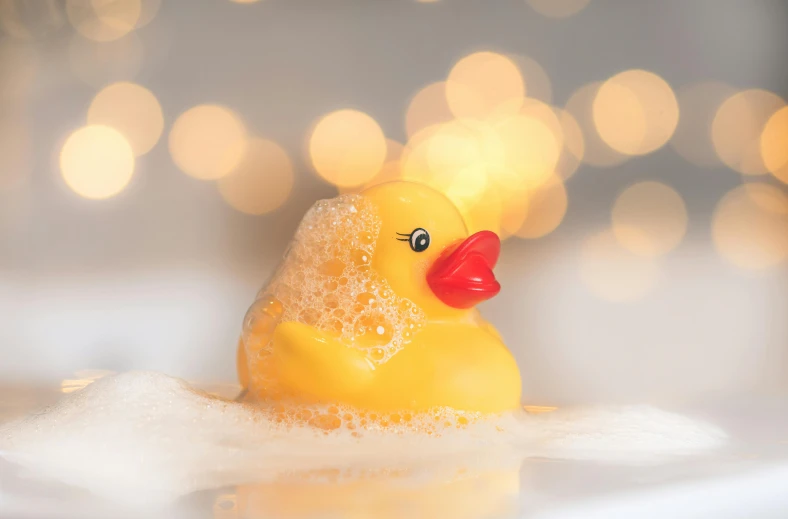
{"x":325,"y":281}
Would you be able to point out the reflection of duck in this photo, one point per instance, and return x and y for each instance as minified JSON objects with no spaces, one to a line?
{"x":467,"y":493}
{"x":455,"y":359}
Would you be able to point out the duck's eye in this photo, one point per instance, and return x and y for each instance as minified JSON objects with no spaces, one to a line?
{"x":419,"y":240}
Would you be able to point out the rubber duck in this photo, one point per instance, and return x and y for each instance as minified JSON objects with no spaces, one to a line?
{"x":454,"y":359}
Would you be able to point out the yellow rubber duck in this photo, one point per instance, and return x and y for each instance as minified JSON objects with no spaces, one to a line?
{"x":454,"y":359}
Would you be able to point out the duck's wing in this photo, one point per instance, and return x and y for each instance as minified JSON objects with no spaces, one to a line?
{"x":319,"y":364}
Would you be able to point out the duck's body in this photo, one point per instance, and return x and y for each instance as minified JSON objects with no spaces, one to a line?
{"x":452,"y":357}
{"x":464,"y":366}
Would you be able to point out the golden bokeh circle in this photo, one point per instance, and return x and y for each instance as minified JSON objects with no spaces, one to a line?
{"x":738,"y":126}
{"x":750,"y":226}
{"x":614,"y":273}
{"x":574,"y":145}
{"x":649,"y":218}
{"x":427,"y":107}
{"x":96,"y":162}
{"x":580,"y":106}
{"x":148,"y":11}
{"x":537,"y":82}
{"x":103,"y":20}
{"x":484,"y":84}
{"x":774,"y":144}
{"x":486,"y":215}
{"x":546,"y":209}
{"x":531,"y":149}
{"x":131,"y":109}
{"x":698,"y":104}
{"x":635,"y":112}
{"x":263,"y":180}
{"x":207,"y":141}
{"x":347,"y":148}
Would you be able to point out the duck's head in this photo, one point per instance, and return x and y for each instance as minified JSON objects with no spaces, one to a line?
{"x":425,"y":253}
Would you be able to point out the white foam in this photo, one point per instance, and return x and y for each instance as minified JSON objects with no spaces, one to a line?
{"x":146,"y":437}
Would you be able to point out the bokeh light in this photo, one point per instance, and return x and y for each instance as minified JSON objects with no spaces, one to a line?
{"x":531,"y":149}
{"x":482,"y":216}
{"x":558,"y":8}
{"x":391,"y":169}
{"x":148,"y":11}
{"x":737,"y":128}
{"x":698,"y":104}
{"x":208,"y":141}
{"x":546,"y":209}
{"x":394,"y":150}
{"x":263,"y":180}
{"x":484,"y":84}
{"x":574,"y":145}
{"x":427,"y":107}
{"x":580,"y":106}
{"x":537,"y":82}
{"x":547,"y":115}
{"x":96,"y":162}
{"x":131,"y":109}
{"x":103,"y":20}
{"x":347,"y":148}
{"x":750,"y":226}
{"x":649,"y":218}
{"x":774,"y":144}
{"x":635,"y":112}
{"x":614,"y":273}
{"x":99,"y":63}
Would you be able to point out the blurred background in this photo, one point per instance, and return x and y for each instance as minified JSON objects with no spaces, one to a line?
{"x":156,"y":157}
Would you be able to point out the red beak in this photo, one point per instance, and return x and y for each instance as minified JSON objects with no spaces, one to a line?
{"x":462,"y":276}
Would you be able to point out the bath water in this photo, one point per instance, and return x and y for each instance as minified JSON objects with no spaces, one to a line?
{"x":145,"y":439}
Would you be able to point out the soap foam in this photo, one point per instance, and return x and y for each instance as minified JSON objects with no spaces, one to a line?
{"x":145,"y":437}
{"x":325,"y":281}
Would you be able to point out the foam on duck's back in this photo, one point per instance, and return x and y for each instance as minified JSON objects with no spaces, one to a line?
{"x":325,"y":280}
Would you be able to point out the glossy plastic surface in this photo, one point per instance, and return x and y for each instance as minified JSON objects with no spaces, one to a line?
{"x":453,"y":359}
